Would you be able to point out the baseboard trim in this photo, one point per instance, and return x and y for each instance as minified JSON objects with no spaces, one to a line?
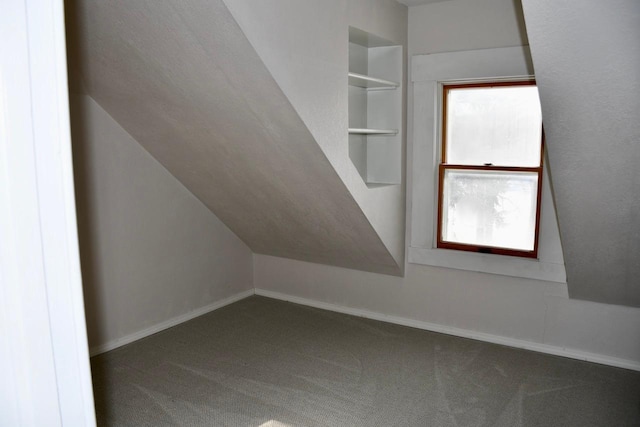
{"x":464,"y":333}
{"x":112,"y":345}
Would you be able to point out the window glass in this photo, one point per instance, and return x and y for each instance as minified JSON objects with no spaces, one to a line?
{"x":495,"y":209}
{"x":497,"y":125}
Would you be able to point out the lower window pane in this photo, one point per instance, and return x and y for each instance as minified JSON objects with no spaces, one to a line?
{"x":490,"y":208}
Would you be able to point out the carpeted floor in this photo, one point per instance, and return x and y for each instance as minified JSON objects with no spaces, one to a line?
{"x":262,"y":362}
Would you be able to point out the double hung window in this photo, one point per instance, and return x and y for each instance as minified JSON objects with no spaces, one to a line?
{"x":490,"y":173}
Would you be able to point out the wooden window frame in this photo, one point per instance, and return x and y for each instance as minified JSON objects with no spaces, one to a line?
{"x":443,"y":166}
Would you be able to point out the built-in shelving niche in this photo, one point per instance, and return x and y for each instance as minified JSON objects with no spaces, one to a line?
{"x":375,"y":108}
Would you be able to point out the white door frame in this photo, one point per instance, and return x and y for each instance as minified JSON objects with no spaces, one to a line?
{"x":44,"y":358}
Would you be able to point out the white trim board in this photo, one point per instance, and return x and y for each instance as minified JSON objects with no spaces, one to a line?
{"x":464,"y":333}
{"x":44,"y":363}
{"x":119,"y":342}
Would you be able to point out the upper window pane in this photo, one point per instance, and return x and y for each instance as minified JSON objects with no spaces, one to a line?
{"x":498,"y":125}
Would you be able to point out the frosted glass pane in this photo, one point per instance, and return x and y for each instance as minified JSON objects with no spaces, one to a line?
{"x":490,"y":208}
{"x":497,"y":125}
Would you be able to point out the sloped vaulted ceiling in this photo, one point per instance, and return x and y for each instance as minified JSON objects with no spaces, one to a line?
{"x":182,"y":79}
{"x":586,"y":56}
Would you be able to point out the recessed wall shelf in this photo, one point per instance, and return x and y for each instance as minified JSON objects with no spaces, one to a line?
{"x":360,"y":131}
{"x":371,"y":83}
{"x":375,"y":108}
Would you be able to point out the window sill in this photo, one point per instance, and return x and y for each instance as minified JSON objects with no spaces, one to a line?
{"x":488,"y":263}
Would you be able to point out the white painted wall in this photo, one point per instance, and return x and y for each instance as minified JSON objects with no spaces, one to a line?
{"x":304,"y":44}
{"x":151,"y":252}
{"x":455,"y":25}
{"x":516,"y":311}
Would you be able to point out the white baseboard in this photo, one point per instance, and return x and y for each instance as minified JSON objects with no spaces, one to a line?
{"x":111,"y":345}
{"x":449,"y":330}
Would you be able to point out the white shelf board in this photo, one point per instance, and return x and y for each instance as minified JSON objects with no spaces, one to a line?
{"x":362,"y":131}
{"x":367,"y":82}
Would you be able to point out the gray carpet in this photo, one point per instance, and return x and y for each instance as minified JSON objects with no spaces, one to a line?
{"x":262,"y":362}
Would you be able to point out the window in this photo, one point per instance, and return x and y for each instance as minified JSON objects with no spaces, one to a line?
{"x":429,"y":74}
{"x":490,"y":172}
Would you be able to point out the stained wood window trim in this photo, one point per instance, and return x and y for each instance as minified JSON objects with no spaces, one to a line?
{"x":443,"y":166}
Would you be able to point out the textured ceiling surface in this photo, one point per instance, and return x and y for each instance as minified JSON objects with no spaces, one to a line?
{"x":304,"y":46}
{"x":184,"y":81}
{"x":587,"y":64}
